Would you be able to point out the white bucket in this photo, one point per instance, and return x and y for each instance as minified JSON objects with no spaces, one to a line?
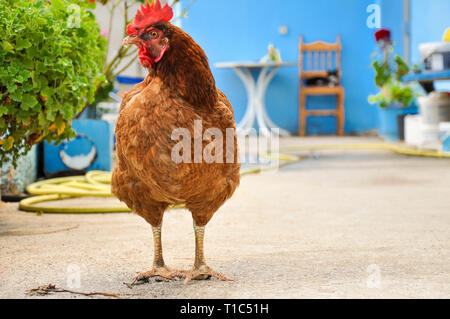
{"x":417,"y":133}
{"x":429,"y":133}
{"x":435,"y":108}
{"x":413,"y":135}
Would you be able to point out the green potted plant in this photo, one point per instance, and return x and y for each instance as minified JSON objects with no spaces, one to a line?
{"x":395,"y":98}
{"x":51,"y":59}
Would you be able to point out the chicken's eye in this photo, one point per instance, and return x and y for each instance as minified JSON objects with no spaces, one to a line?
{"x":154,"y":34}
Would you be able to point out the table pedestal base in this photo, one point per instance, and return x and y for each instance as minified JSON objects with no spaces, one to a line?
{"x":256,"y":110}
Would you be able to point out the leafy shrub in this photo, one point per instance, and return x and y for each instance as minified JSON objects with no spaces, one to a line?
{"x":51,"y":57}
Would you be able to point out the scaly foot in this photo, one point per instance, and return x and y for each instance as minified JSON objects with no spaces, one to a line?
{"x":202,"y":273}
{"x":159,"y":272}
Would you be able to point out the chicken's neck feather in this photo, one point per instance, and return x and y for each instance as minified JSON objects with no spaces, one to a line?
{"x":185,"y":69}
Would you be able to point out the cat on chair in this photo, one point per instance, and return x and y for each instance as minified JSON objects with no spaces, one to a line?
{"x":330,"y":80}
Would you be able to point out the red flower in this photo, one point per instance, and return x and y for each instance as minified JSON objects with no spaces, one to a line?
{"x":383,"y":34}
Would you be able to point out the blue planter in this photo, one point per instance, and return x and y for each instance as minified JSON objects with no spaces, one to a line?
{"x":90,"y":150}
{"x":388,"y":121}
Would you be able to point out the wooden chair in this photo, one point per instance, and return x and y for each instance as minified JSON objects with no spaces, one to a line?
{"x":315,"y":59}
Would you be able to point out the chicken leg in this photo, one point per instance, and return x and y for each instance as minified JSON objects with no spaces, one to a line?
{"x":159,"y":267}
{"x":201,"y":270}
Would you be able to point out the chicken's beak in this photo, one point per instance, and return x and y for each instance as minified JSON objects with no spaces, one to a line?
{"x":130,"y":40}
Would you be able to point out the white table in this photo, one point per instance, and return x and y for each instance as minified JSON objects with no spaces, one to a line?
{"x":256,"y":92}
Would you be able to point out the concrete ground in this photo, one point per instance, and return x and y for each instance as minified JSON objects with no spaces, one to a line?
{"x":340,"y":224}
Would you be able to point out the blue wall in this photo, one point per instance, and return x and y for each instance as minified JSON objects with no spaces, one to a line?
{"x":241,"y":31}
{"x":392,"y":19}
{"x":429,"y":19}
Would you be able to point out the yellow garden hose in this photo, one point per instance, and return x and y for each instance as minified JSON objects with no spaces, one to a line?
{"x":93,"y":184}
{"x":403,"y":150}
{"x":28,"y":205}
{"x":98,"y":183}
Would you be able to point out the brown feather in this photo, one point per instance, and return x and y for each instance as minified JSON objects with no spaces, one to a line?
{"x":177,"y":91}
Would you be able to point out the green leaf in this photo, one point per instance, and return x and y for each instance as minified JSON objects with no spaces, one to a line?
{"x":13,"y":69}
{"x":40,"y":81}
{"x":42,"y":120}
{"x":11,"y":87}
{"x":28,"y":101}
{"x":8,"y":47}
{"x":67,"y":113}
{"x":58,"y":4}
{"x":27,"y":86}
{"x":23,"y":76}
{"x":3,"y":110}
{"x":40,"y":67}
{"x":3,"y":73}
{"x":16,"y":96}
{"x":47,"y":92}
{"x":8,"y":143}
{"x":22,"y":44}
{"x":91,"y":5}
{"x":51,"y":115}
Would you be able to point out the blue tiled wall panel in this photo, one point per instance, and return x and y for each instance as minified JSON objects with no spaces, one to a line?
{"x":100,"y":132}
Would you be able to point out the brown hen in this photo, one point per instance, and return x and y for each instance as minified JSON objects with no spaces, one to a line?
{"x":178,"y":92}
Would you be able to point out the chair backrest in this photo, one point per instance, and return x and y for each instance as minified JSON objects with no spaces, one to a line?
{"x":317,"y":58}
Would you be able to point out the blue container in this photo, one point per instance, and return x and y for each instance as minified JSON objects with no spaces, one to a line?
{"x":90,"y":150}
{"x":129,"y":80}
{"x":446,"y":145}
{"x":388,"y":121}
{"x":446,"y":142}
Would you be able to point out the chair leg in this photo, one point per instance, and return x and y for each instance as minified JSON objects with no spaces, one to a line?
{"x":341,"y":114}
{"x":302,"y":128}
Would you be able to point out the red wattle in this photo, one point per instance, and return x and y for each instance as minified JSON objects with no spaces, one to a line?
{"x":145,"y":60}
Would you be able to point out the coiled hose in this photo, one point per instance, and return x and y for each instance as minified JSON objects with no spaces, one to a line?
{"x":98,"y":183}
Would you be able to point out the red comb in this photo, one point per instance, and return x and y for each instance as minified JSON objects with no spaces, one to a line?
{"x":149,"y":14}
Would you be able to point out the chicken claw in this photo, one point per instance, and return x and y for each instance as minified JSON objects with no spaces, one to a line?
{"x":161,"y":272}
{"x":202,"y":273}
